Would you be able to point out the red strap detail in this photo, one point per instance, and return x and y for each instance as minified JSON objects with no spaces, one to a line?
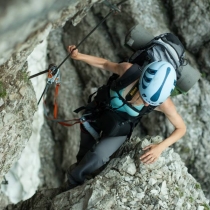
{"x":75,"y":121}
{"x":49,"y":74}
{"x":55,"y":113}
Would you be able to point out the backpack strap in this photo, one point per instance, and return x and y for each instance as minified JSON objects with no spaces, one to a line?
{"x":146,"y":110}
{"x":132,"y":74}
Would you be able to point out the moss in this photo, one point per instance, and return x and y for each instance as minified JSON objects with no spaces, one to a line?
{"x":181,"y":193}
{"x":185,"y":150}
{"x":23,"y":76}
{"x":191,"y":199}
{"x":203,"y":75}
{"x":206,"y":206}
{"x":175,"y":92}
{"x":3,"y":92}
{"x":197,"y":186}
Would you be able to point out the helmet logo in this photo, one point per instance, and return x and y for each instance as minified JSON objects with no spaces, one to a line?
{"x":156,"y":96}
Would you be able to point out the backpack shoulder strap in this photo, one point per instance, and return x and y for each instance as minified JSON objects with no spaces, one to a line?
{"x":146,"y":110}
{"x":132,"y":74}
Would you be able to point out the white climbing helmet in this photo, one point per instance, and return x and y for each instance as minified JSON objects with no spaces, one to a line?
{"x":157,"y":81}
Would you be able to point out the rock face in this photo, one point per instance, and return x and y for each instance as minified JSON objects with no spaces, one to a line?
{"x":187,"y":19}
{"x":63,"y":23}
{"x":20,"y":178}
{"x":126,"y":183}
{"x":18,"y":102}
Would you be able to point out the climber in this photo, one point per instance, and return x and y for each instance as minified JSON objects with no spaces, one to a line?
{"x":115,"y":113}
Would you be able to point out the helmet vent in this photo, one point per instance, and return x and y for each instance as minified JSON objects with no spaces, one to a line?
{"x":147,"y":79}
{"x":156,"y":96}
{"x":151,"y":71}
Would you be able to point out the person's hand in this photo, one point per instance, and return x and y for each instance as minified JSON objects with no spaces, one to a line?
{"x":73,"y":50}
{"x":152,"y":154}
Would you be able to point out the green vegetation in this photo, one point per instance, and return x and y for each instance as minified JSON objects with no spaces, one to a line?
{"x":175,"y":92}
{"x":203,"y":75}
{"x":206,"y":206}
{"x":185,"y":150}
{"x":191,"y":199}
{"x":197,"y":186}
{"x":24,"y":76}
{"x":3,"y":92}
{"x":181,"y":193}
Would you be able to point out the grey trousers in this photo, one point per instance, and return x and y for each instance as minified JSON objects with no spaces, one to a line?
{"x":92,"y":156}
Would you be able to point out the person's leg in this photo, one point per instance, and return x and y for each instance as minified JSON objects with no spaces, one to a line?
{"x":86,"y":143}
{"x":95,"y":158}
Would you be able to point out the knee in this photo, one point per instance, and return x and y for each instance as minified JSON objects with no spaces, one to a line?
{"x":99,"y":154}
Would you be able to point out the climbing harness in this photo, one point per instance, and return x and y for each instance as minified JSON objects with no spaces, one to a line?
{"x":89,"y":128}
{"x":83,"y":121}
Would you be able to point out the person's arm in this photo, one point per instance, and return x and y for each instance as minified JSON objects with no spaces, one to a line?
{"x":155,"y":150}
{"x":117,"y":68}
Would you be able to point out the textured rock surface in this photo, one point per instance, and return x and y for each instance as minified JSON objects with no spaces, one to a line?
{"x":126,"y":183}
{"x":190,"y":20}
{"x":18,"y":100}
{"x":204,"y":62}
{"x":28,"y":27}
{"x":20,"y":175}
{"x":4,"y":200}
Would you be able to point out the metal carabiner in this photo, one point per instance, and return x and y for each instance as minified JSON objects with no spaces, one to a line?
{"x":53,"y":74}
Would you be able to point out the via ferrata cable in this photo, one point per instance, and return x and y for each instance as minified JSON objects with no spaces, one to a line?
{"x":113,"y":8}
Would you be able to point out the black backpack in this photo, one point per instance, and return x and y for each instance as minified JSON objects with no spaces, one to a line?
{"x":165,"y":47}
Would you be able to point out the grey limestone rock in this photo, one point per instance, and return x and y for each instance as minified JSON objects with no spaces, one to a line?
{"x":126,"y":183}
{"x":65,"y":22}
